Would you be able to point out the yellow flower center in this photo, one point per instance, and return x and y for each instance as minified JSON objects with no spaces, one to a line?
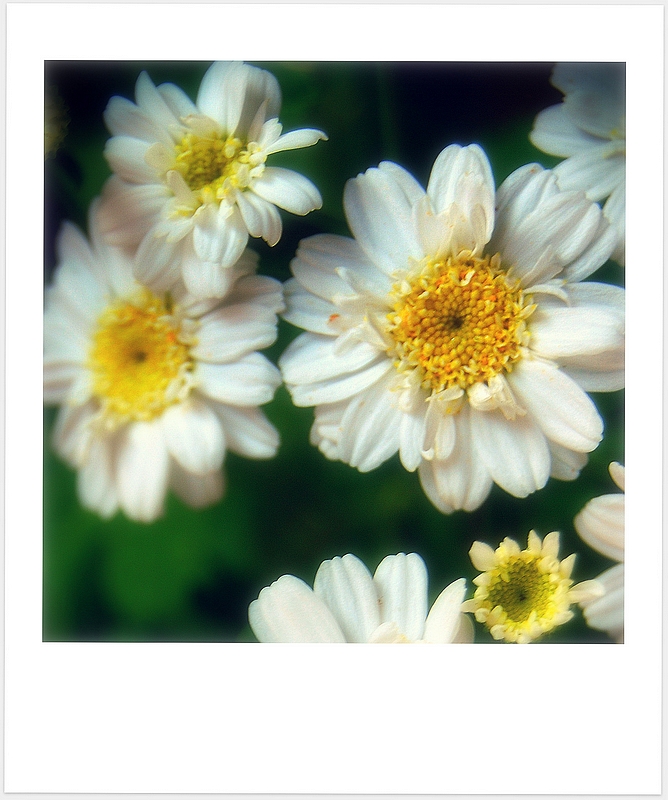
{"x":213,"y":165}
{"x":520,"y":588}
{"x":459,"y":322}
{"x":140,"y":359}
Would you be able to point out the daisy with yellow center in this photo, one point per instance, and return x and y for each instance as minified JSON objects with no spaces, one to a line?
{"x":154,"y":388}
{"x":523,"y":594}
{"x":455,"y":329}
{"x":191,"y":180}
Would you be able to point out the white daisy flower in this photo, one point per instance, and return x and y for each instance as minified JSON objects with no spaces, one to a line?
{"x":588,"y":130}
{"x":346,"y":604}
{"x":191,"y":179}
{"x":601,"y":525}
{"x":455,"y":333}
{"x":523,"y":594}
{"x":154,"y":388}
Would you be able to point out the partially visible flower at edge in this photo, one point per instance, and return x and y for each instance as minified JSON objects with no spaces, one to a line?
{"x":153,"y":388}
{"x":588,"y":130}
{"x":191,"y":178}
{"x":457,"y":328}
{"x":346,"y":604}
{"x":524,"y":594}
{"x":601,"y":525}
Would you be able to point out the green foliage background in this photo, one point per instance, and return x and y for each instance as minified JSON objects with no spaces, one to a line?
{"x":191,"y":575}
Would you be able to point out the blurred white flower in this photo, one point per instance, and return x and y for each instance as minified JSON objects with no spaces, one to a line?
{"x":456,"y":330}
{"x":588,"y":130}
{"x":524,"y":594}
{"x":191,"y":179}
{"x":601,"y":525}
{"x":154,"y":388}
{"x":346,"y":604}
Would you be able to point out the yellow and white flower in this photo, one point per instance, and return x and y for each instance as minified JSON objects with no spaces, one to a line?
{"x":524,"y":594}
{"x":588,"y":130}
{"x":346,"y":604}
{"x":601,"y":525}
{"x":455,"y":329}
{"x":191,"y":179}
{"x":153,"y":388}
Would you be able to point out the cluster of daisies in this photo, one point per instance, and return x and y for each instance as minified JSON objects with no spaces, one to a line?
{"x":454,"y":327}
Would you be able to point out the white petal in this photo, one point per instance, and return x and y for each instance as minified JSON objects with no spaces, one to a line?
{"x":463,"y":176}
{"x":95,"y":480}
{"x":288,"y":611}
{"x":233,"y":331}
{"x":566,"y":464}
{"x":72,"y":433}
{"x":322,"y":259}
{"x":515,"y":452}
{"x":443,"y":620}
{"x":288,"y":190}
{"x":142,"y":470}
{"x":601,"y":525}
{"x":333,"y":390}
{"x":194,"y":436}
{"x":566,"y":332}
{"x":305,"y":137}
{"x":460,"y":481}
{"x":307,"y":311}
{"x":128,"y":211}
{"x":260,"y":217}
{"x":401,"y":582}
{"x":370,"y":428}
{"x":347,"y":588}
{"x":196,"y":490}
{"x":126,"y":157}
{"x":562,"y":410}
{"x":251,"y":381}
{"x":595,"y":171}
{"x":219,"y":239}
{"x":312,"y":358}
{"x":380,"y":215}
{"x":248,"y":432}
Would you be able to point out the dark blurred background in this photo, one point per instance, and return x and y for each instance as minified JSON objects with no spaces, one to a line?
{"x":191,"y":575}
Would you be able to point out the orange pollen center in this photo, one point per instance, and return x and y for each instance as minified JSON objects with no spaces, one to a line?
{"x":459,"y":322}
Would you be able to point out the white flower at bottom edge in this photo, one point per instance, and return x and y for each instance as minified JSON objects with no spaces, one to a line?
{"x":191,"y":180}
{"x":601,"y":525}
{"x":154,"y":388}
{"x":588,"y":129}
{"x":346,"y":604}
{"x":456,"y":328}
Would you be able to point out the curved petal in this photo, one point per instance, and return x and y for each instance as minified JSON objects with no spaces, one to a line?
{"x":250,"y":381}
{"x":248,"y":432}
{"x":233,"y":331}
{"x":288,"y":611}
{"x":444,"y":618}
{"x":260,"y":217}
{"x":194,"y":489}
{"x":348,"y":590}
{"x":401,"y":583}
{"x":312,"y":358}
{"x":515,"y":452}
{"x":380,"y":216}
{"x":562,"y":410}
{"x":601,"y":525}
{"x":288,"y":190}
{"x":96,"y":484}
{"x":142,"y":470}
{"x":194,"y":436}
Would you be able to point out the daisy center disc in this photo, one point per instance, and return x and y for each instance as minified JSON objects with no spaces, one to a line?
{"x":520,"y":587}
{"x":139,"y":359}
{"x":459,"y":322}
{"x":215,"y":164}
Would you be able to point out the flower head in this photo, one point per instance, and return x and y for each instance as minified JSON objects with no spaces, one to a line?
{"x":153,"y":388}
{"x":523,"y":594}
{"x":455,"y":330}
{"x":601,"y":525}
{"x":346,"y":604}
{"x":192,"y":180}
{"x":588,"y":130}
